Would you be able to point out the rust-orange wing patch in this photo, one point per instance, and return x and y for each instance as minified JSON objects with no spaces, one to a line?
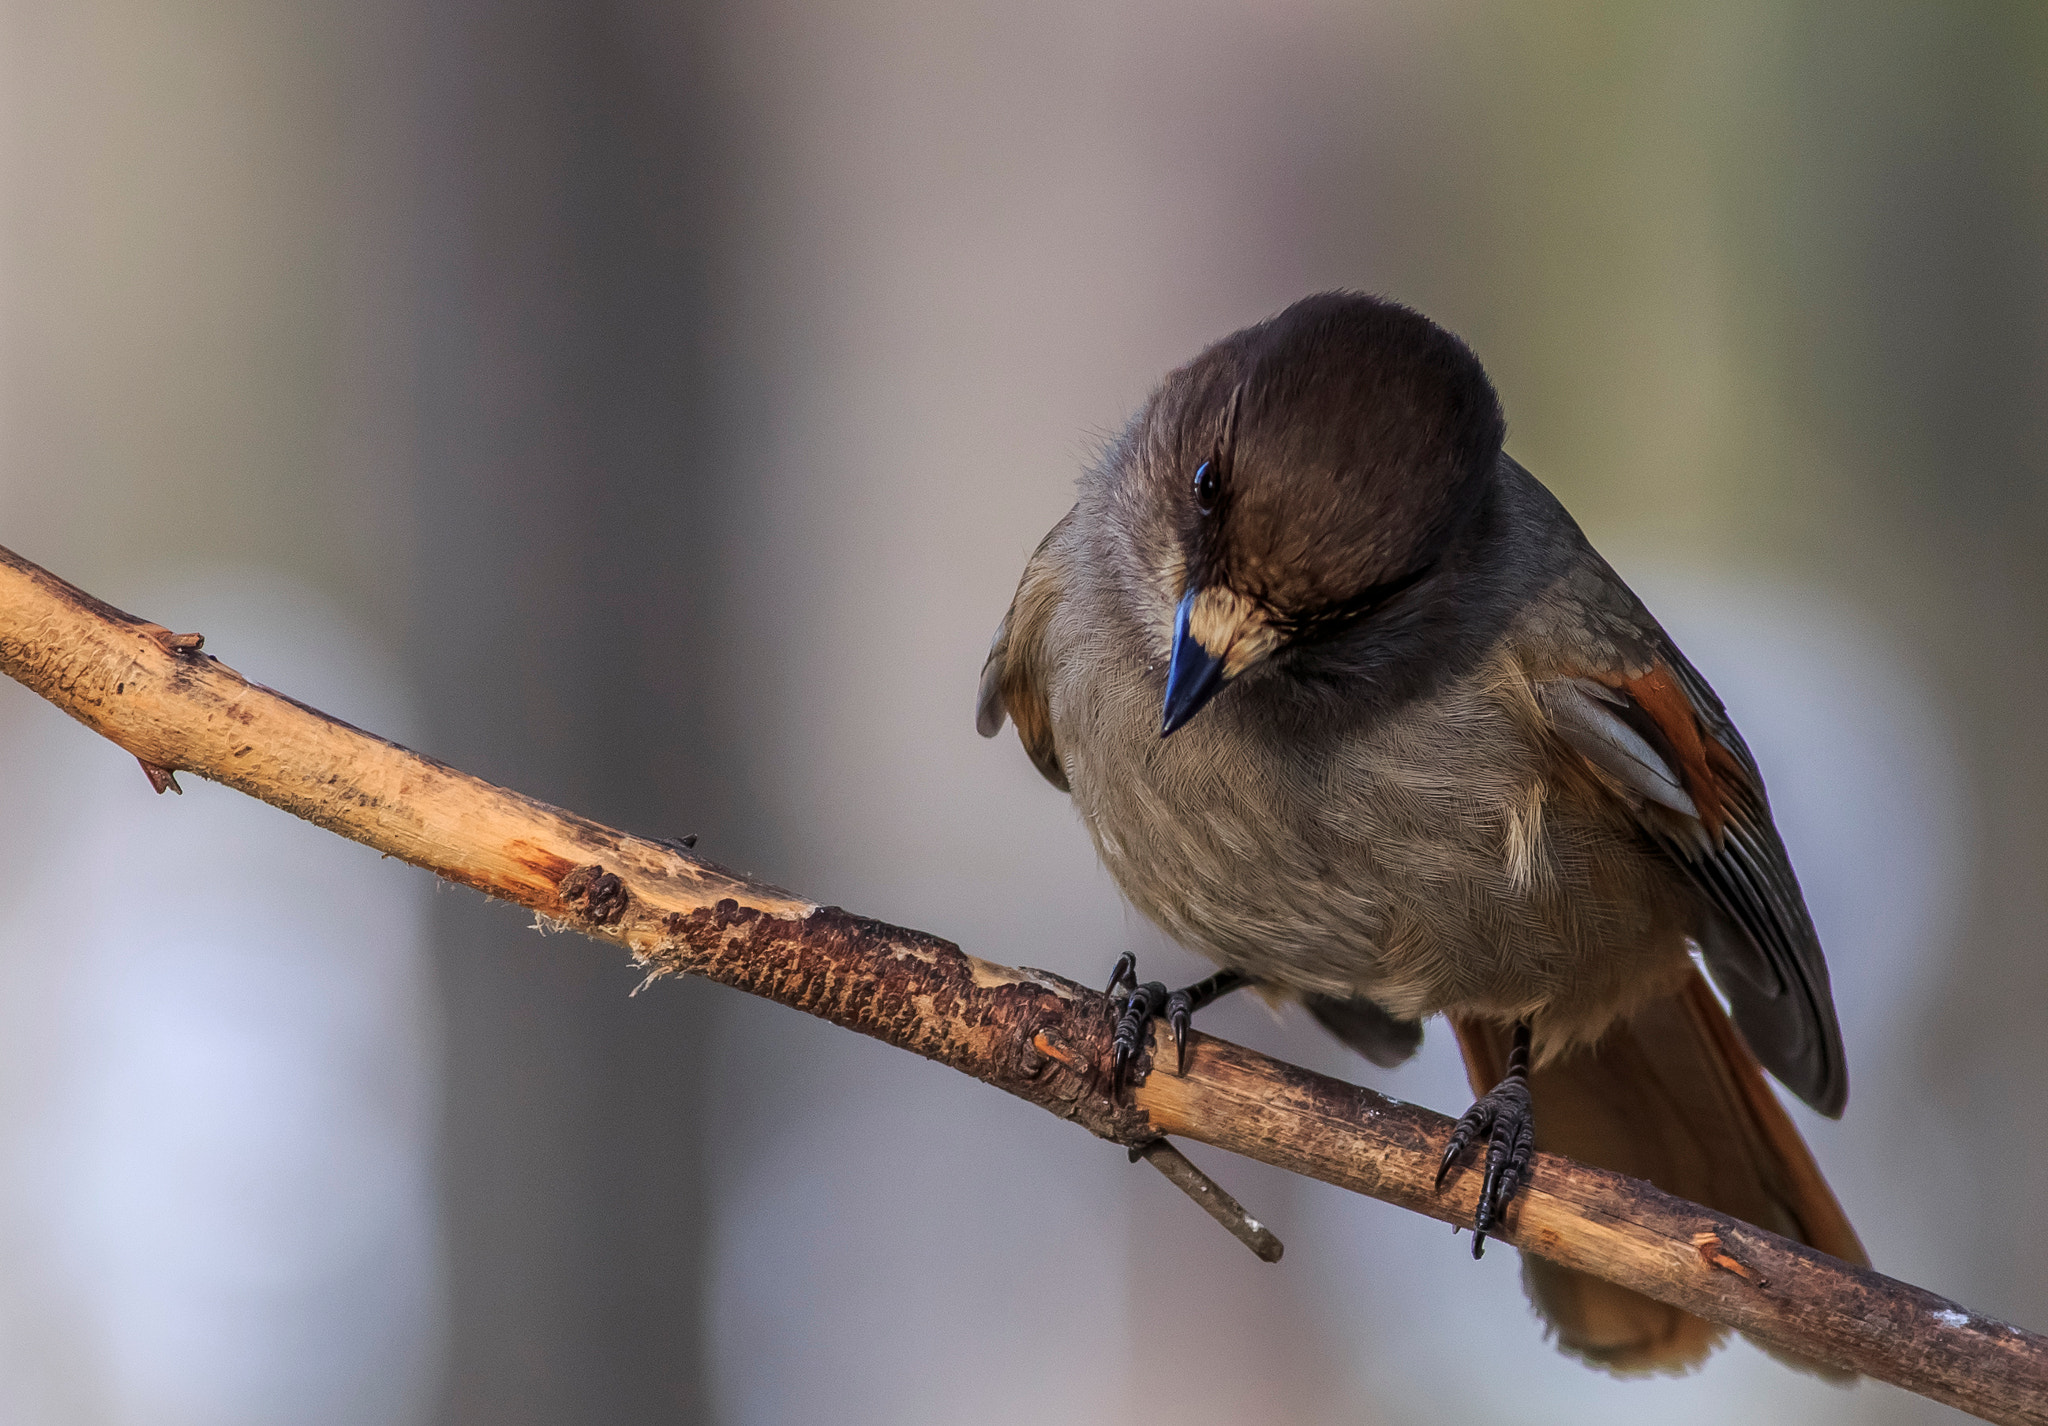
{"x":1762,"y":950}
{"x":1712,"y":775}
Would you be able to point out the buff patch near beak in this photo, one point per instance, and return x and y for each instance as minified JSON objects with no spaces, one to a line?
{"x":1217,"y":635}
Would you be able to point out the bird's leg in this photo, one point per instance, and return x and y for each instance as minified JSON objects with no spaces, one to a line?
{"x":1142,"y":1002}
{"x":1182,"y":1005}
{"x":1506,"y":1118}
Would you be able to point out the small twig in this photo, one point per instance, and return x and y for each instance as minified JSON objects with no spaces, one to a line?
{"x":161,"y":779}
{"x":1181,"y":1172}
{"x":1029,"y":1032}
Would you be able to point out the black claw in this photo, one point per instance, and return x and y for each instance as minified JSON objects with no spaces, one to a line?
{"x":1140,"y":1004}
{"x":1139,"y":1009}
{"x":1180,"y":1014}
{"x":1460,"y":1136}
{"x":1505,"y":1117}
{"x":1125,"y":973}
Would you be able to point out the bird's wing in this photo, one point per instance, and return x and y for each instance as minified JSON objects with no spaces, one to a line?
{"x":1662,"y":741}
{"x":1384,"y":1038}
{"x":1013,"y":680}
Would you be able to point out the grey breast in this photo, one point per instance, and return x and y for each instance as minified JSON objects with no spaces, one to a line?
{"x":1421,"y":854}
{"x":1374,"y":859}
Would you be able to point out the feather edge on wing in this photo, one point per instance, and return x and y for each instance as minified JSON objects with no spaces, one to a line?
{"x":1662,"y":737}
{"x":1013,"y":678}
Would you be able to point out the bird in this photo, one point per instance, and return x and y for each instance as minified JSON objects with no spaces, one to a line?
{"x":1350,"y":706}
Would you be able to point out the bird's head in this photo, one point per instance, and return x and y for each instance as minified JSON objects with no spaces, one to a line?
{"x":1299,"y":476}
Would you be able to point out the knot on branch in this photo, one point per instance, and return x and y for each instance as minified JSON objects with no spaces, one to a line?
{"x":599,"y":893}
{"x":1713,"y":1256}
{"x":185,"y":644}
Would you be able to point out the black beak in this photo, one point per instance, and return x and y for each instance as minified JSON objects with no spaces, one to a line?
{"x":1193,"y":677}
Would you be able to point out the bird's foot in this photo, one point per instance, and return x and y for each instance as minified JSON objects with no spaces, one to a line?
{"x":1505,"y":1118}
{"x":1141,"y":1004}
{"x":1138,"y":1005}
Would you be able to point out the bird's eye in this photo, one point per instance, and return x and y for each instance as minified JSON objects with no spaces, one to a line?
{"x":1208,"y":485}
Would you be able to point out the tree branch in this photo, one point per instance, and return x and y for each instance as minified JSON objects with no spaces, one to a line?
{"x":1035,"y":1034}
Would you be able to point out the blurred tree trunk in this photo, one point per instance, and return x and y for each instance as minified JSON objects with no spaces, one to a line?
{"x":562,"y":630}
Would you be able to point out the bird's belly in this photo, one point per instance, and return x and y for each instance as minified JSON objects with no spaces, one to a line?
{"x":1430,"y":866}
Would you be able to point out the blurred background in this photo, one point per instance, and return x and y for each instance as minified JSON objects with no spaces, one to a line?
{"x":651,"y":406}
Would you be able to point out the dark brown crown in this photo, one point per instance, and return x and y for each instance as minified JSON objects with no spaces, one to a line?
{"x":1352,"y":436}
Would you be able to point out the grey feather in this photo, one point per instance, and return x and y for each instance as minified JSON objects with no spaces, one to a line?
{"x":989,"y":714}
{"x":1366,"y":1028}
{"x":1585,"y":715}
{"x":1759,"y":944}
{"x":1767,"y":957}
{"x":1014,"y":676}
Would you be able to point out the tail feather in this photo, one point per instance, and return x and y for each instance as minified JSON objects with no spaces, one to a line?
{"x":1671,"y":1095}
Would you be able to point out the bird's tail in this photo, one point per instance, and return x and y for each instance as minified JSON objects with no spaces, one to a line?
{"x":1671,"y":1095}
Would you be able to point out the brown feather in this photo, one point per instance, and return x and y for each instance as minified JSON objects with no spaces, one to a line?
{"x":1673,"y":1096}
{"x":1706,"y":778}
{"x":1014,"y":679}
{"x":1762,"y":951}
